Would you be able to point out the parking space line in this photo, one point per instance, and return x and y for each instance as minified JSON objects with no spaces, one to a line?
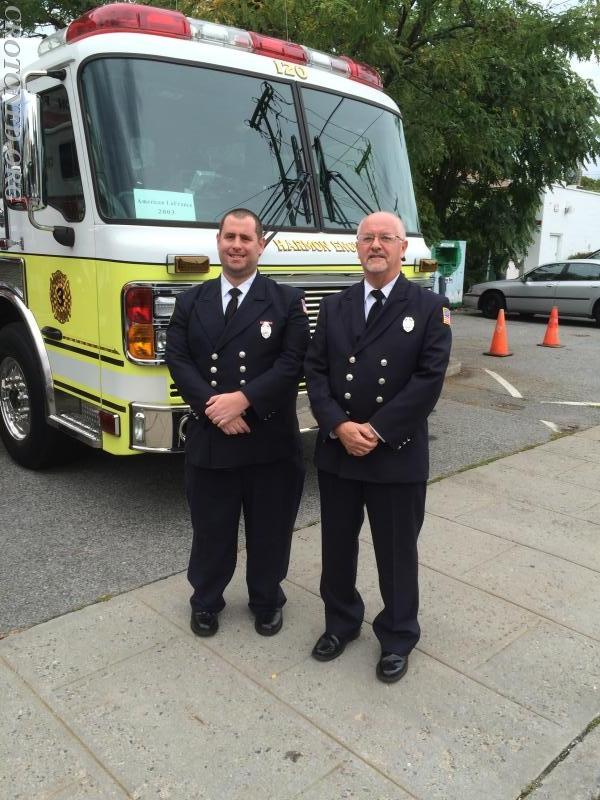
{"x":503,"y":382}
{"x":552,"y":425}
{"x":589,"y":404}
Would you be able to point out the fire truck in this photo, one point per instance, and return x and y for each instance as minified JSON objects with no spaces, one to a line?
{"x":123,"y":145}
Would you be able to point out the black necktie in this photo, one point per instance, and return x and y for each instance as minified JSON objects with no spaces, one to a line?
{"x":232,"y":305}
{"x":375,"y":309}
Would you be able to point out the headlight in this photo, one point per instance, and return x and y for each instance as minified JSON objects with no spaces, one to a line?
{"x":164,"y":306}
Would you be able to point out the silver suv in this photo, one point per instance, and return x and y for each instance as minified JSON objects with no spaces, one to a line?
{"x":573,"y":286}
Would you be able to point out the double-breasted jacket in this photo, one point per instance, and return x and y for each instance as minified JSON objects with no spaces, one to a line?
{"x":390,"y":375}
{"x":260,"y":352}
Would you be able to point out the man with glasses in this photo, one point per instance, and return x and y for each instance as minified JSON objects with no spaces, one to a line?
{"x":374,"y":371}
{"x":235,"y":347}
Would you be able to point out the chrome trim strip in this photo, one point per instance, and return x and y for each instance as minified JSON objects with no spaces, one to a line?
{"x":38,"y":342}
{"x":159,"y":407}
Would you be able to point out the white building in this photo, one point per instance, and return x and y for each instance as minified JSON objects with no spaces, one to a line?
{"x":568,"y":222}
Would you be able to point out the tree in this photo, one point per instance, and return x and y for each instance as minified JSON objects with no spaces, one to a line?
{"x":591,"y":184}
{"x":492,"y":111}
{"x":37,"y":14}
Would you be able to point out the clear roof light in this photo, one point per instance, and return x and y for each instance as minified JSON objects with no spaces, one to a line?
{"x":327,"y":61}
{"x":220,"y":34}
{"x":52,"y":41}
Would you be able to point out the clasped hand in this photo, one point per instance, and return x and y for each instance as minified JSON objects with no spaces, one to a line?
{"x":225,"y":411}
{"x":358,"y":438}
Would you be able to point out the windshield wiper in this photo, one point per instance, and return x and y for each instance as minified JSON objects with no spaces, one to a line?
{"x":287,"y":186}
{"x":326,"y":176}
{"x":299,"y":172}
{"x":280,"y":204}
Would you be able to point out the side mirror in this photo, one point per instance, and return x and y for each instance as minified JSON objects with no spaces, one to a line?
{"x":33,"y":158}
{"x":33,"y":154}
{"x":523,"y":278}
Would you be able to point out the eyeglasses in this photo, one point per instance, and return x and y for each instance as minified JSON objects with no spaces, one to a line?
{"x":384,"y":238}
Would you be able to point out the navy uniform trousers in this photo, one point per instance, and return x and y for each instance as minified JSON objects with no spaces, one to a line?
{"x":395,"y":512}
{"x":269,"y":496}
{"x":390,"y":375}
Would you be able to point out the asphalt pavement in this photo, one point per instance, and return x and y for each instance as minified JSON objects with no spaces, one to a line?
{"x":501,"y":700}
{"x":104,"y":525}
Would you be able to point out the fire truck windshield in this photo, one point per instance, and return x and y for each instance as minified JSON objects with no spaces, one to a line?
{"x":181,"y":144}
{"x":361,"y":160}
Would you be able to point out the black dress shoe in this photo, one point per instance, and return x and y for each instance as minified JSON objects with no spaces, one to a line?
{"x":331,"y":646}
{"x":268,"y":623}
{"x":391,"y":667}
{"x":204,"y":623}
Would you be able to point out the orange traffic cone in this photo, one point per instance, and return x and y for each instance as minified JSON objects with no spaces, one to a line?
{"x":499,"y":345}
{"x":551,"y":338}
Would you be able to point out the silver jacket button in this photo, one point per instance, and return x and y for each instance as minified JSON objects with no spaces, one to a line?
{"x":349,"y":376}
{"x":214,"y":356}
{"x":383,"y":362}
{"x":352,"y":359}
{"x":379,"y":399}
{"x":213,"y":383}
{"x":242,"y":383}
{"x":242,"y":369}
{"x":381,"y":381}
{"x":213,"y":369}
{"x":347,"y":396}
{"x":242,"y":354}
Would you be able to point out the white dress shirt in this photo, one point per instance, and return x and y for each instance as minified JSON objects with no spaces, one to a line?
{"x":370,"y":300}
{"x":243,"y":287}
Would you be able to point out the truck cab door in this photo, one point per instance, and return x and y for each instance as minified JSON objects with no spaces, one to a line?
{"x":61,"y":280}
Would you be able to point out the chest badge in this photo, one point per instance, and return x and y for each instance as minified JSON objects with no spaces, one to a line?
{"x":408,"y":324}
{"x":265,"y":329}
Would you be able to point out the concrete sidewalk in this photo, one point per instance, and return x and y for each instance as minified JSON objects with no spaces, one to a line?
{"x":121,"y":700}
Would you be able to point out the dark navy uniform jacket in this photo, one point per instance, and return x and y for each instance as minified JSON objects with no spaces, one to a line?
{"x":390,"y":375}
{"x":260,"y":352}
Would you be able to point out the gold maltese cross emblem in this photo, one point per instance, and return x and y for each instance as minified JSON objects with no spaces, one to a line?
{"x":60,"y":296}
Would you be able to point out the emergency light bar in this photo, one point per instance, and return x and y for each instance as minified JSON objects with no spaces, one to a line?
{"x":121,"y":17}
{"x":133,"y":18}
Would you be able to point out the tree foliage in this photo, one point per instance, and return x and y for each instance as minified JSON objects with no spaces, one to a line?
{"x":591,"y":184}
{"x":44,"y":14}
{"x":493,"y":112}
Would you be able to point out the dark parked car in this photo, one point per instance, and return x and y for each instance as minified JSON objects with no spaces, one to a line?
{"x":572,"y":285}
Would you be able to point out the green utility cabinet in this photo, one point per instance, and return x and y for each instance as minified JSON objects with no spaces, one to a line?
{"x":450,"y":273}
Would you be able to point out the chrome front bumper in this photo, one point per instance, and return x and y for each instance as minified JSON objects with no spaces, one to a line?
{"x":161,"y":429}
{"x":158,"y":429}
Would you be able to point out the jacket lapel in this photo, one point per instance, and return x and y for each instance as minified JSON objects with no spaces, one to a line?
{"x":391,"y":310}
{"x":253,"y":306}
{"x":353,"y":312}
{"x":209,"y":310}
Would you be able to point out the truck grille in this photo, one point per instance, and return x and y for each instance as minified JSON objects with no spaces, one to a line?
{"x":313,"y":296}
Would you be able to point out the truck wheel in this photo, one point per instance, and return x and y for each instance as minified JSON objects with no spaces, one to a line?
{"x":29,"y":440}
